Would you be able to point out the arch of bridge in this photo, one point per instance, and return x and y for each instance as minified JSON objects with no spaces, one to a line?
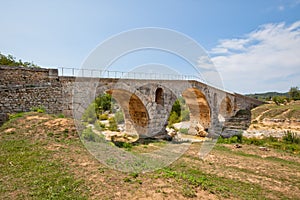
{"x":147,"y":115}
{"x":226,"y":107}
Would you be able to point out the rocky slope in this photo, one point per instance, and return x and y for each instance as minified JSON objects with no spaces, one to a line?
{"x":272,"y":119}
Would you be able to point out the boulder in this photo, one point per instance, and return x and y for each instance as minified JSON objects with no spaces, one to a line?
{"x":198,"y":130}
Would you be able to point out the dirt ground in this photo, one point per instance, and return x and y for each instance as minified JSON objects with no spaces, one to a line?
{"x":274,"y":173}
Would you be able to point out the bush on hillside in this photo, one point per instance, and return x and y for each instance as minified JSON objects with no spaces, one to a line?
{"x":291,"y":138}
{"x":280,"y":99}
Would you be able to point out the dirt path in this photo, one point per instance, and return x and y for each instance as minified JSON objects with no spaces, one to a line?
{"x":283,"y":113}
{"x":260,"y":115}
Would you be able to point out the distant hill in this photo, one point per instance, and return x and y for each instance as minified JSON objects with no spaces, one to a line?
{"x":267,"y":95}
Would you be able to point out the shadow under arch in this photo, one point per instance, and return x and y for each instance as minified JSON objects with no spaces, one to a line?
{"x":136,"y":116}
{"x":200,"y":111}
{"x":159,"y":96}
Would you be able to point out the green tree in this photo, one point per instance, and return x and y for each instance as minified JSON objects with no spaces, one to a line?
{"x":294,"y":93}
{"x":103,"y":103}
{"x":280,"y":99}
{"x":9,"y":60}
{"x":176,"y":107}
{"x":174,"y":118}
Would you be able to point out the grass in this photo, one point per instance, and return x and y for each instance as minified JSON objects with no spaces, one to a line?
{"x":27,"y":172}
{"x":221,"y":186}
{"x":289,"y":143}
{"x":249,"y":155}
{"x":275,"y":111}
{"x":31,"y":169}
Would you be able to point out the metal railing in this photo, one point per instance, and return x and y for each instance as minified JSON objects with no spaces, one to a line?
{"x":95,"y":73}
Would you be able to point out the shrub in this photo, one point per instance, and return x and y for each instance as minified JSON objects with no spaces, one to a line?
{"x":279,"y":99}
{"x":176,"y":107}
{"x":255,"y":141}
{"x":119,"y":117}
{"x":238,"y":138}
{"x":112,"y":124}
{"x":99,"y":126}
{"x":174,"y":118}
{"x":185,"y":115}
{"x":50,"y":134}
{"x":291,"y":138}
{"x":103,"y":116}
{"x":89,"y":135}
{"x":271,"y":139}
{"x":90,"y":115}
{"x":61,"y":115}
{"x":125,"y":145}
{"x":39,"y":109}
{"x":184,"y":130}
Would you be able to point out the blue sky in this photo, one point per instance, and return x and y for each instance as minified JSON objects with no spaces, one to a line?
{"x":255,"y":45}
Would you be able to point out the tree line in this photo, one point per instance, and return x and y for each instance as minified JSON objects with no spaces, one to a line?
{"x":279,"y":98}
{"x":293,"y":94}
{"x":9,"y":60}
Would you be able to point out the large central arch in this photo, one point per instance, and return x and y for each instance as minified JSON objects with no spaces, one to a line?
{"x":200,"y":111}
{"x":135,"y":113}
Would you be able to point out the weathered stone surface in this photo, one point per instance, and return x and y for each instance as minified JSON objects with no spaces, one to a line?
{"x":146,"y":103}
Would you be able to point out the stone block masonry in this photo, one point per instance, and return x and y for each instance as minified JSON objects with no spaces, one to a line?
{"x":146,"y":103}
{"x":24,"y":88}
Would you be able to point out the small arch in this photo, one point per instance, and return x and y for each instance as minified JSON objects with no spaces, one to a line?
{"x":159,"y":96}
{"x":226,"y":107}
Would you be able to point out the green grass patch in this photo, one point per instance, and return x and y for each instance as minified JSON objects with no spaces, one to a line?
{"x":184,"y":130}
{"x":39,"y":109}
{"x":240,"y":153}
{"x":27,"y":172}
{"x":16,"y":115}
{"x":221,"y":186}
{"x":289,"y":143}
{"x":275,"y":111}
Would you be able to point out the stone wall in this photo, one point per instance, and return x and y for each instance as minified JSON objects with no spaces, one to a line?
{"x":246,"y":103}
{"x":24,"y":88}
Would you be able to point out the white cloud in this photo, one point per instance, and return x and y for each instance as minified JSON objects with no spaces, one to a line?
{"x":286,"y":5}
{"x":267,"y":59}
{"x":204,"y":62}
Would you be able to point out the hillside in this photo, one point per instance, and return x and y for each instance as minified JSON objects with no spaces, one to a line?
{"x":42,"y":157}
{"x":272,"y":119}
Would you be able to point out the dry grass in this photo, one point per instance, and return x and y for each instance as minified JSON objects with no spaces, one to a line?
{"x":56,"y":163}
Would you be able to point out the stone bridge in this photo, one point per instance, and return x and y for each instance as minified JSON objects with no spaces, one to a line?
{"x":146,"y":104}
